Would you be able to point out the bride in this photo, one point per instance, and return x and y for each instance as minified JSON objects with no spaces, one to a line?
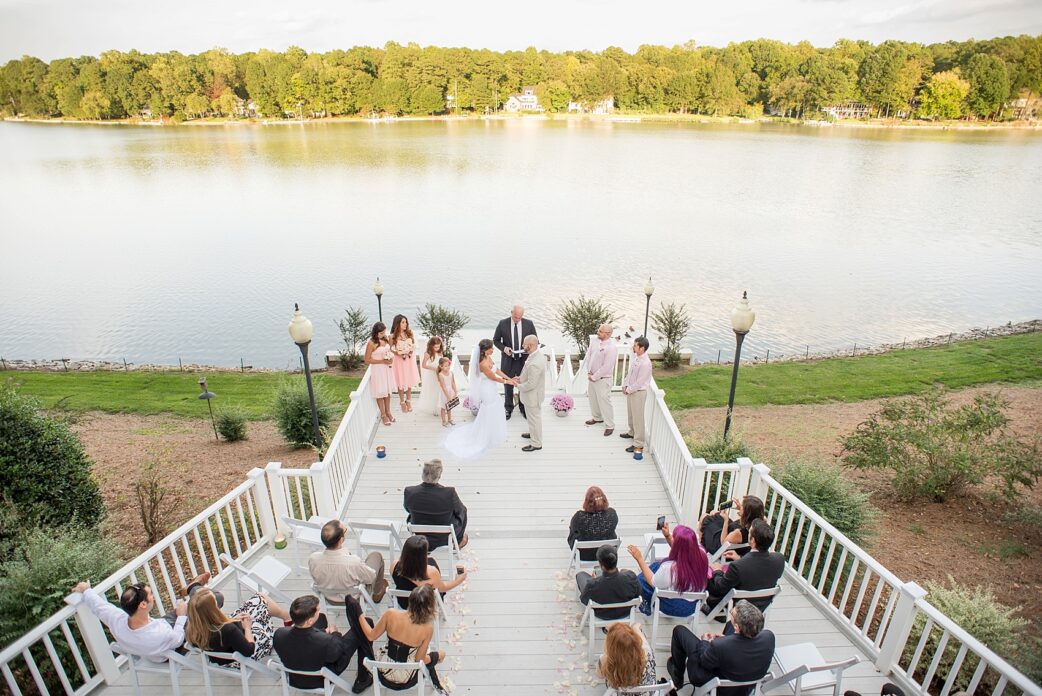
{"x":489,"y":429}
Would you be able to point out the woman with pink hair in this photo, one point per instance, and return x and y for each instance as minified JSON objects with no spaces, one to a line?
{"x":685,"y":570}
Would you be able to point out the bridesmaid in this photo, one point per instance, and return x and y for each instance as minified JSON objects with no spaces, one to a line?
{"x":403,"y":346}
{"x":429,"y":390}
{"x":381,"y":381}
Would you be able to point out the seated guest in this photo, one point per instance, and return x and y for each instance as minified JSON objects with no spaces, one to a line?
{"x":743,"y":655}
{"x":760,"y":569}
{"x":408,"y":635}
{"x":338,"y":572}
{"x":435,"y":504}
{"x":416,"y":568}
{"x":717,"y":529}
{"x":595,"y":522}
{"x":628,"y":659}
{"x":249,"y":631}
{"x":134,"y":628}
{"x":610,"y":587}
{"x":311,"y":644}
{"x":685,"y":570}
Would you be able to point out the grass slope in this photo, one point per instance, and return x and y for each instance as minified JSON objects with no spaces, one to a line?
{"x":1005,"y":359}
{"x":149,"y":393}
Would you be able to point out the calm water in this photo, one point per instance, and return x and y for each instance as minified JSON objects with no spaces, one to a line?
{"x":159,"y":243}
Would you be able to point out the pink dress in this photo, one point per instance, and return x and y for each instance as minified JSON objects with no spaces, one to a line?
{"x":381,"y":381}
{"x":446,"y":382}
{"x":406,"y":374}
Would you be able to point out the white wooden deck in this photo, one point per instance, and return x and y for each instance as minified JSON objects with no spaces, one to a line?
{"x":514,"y":628}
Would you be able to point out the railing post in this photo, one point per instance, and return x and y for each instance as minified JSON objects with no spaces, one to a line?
{"x":262,"y":501}
{"x":692,"y":507}
{"x":901,"y":621}
{"x":758,"y":481}
{"x":95,"y":639}
{"x":743,"y":477}
{"x":277,"y":492}
{"x":322,"y":490}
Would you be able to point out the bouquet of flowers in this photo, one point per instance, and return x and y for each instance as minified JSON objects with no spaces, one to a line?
{"x":472,"y":404}
{"x":562,"y":402}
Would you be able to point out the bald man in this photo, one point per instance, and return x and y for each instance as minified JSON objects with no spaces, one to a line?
{"x":532,"y":384}
{"x":508,"y":337}
{"x":601,"y":364}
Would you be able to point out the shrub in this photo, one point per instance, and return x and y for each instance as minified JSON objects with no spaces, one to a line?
{"x":672,"y":322}
{"x":354,"y":330}
{"x":231,"y":423}
{"x":823,"y":488}
{"x":435,"y":320}
{"x":155,"y":499}
{"x":45,"y":567}
{"x":717,"y":450}
{"x":936,"y":450}
{"x":44,"y":470}
{"x":580,"y":318}
{"x":976,"y":610}
{"x":292,"y":410}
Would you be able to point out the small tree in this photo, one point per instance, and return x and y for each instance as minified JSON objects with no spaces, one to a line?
{"x":231,"y":423}
{"x":354,"y":330}
{"x":435,"y":320}
{"x":155,"y":500}
{"x":935,"y":451}
{"x":671,"y":322}
{"x":580,"y":318}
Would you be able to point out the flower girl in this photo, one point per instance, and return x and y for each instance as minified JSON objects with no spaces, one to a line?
{"x":448,"y":398}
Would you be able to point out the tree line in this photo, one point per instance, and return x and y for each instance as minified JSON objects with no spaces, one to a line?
{"x":894,"y":79}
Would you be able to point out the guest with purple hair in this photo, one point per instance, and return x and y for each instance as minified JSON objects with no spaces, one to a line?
{"x":685,"y":570}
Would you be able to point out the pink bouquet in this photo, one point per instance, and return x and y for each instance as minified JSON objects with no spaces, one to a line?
{"x":562,"y":402}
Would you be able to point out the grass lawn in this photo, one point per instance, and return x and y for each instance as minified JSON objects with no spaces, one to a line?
{"x":149,"y":393}
{"x":1004,"y":359}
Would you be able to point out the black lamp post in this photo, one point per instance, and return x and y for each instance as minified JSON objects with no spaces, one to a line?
{"x":378,"y":290}
{"x":301,"y":331}
{"x":742,"y":319}
{"x":206,"y":396}
{"x":649,"y":290}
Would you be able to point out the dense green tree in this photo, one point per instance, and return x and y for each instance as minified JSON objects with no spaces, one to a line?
{"x":889,"y":76}
{"x":427,"y":99}
{"x":944,"y":95}
{"x":989,"y":84}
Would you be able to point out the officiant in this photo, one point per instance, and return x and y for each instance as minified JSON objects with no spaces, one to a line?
{"x":508,"y":340}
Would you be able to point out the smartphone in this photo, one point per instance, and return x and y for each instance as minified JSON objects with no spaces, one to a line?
{"x":727,"y":505}
{"x":660,"y":523}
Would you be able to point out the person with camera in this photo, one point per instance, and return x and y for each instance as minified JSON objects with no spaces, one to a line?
{"x":716,"y":528}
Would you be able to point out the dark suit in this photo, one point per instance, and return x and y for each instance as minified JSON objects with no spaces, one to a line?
{"x":733,"y":657}
{"x":756,"y":570}
{"x":311,"y":649}
{"x":621,"y":586}
{"x":433,"y":503}
{"x":506,"y":337}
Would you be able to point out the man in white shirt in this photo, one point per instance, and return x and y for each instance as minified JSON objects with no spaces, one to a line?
{"x":337,"y":572}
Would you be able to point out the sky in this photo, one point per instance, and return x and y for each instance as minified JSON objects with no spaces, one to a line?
{"x":50,"y":29}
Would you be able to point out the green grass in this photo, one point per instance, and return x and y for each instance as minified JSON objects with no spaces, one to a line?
{"x":1009,"y":359}
{"x":149,"y":393}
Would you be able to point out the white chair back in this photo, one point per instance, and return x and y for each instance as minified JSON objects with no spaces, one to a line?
{"x":657,"y":615}
{"x":330,"y":680}
{"x":384,"y":536}
{"x":174,"y":664}
{"x":307,"y":536}
{"x":712,"y":685}
{"x":723,"y":608}
{"x":590,"y":617}
{"x":451,"y":550}
{"x":575,"y":564}
{"x":264,"y":576}
{"x":805,"y":669}
{"x":246,"y":669}
{"x":718,"y":556}
{"x":651,"y":689}
{"x":375,"y":666}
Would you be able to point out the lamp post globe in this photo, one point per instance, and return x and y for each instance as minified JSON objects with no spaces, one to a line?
{"x":378,"y":290}
{"x":301,"y":331}
{"x":649,"y":290}
{"x":742,"y":319}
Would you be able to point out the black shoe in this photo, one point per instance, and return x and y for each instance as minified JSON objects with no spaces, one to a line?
{"x":526,"y":435}
{"x":626,"y":436}
{"x":509,"y":413}
{"x":671,"y":670}
{"x":362,"y":682}
{"x":529,"y":448}
{"x":631,"y":448}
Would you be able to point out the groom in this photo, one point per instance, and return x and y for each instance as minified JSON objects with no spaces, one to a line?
{"x":507,"y":339}
{"x":532,"y":384}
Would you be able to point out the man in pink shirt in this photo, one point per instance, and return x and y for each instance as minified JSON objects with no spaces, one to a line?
{"x":635,"y":387}
{"x":603,"y":356}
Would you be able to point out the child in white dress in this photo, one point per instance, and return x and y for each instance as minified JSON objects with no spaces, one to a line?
{"x":447,"y":390}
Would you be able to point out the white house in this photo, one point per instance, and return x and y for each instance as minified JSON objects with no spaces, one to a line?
{"x":526,"y":101}
{"x":604,"y":106}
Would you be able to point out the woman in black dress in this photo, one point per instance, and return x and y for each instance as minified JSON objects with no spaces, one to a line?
{"x":595,"y":522}
{"x":248,"y":631}
{"x":416,"y":568}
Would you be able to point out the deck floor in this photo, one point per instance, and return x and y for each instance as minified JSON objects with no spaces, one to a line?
{"x":513,"y":628}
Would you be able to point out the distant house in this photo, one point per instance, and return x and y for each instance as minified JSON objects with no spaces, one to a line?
{"x":525,"y":101}
{"x":604,"y":106}
{"x":145,"y":113}
{"x":848,"y":110}
{"x":1025,"y":107}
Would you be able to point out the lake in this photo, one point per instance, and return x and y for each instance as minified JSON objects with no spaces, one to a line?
{"x":157,"y":243}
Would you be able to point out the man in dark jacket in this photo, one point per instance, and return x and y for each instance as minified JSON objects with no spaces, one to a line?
{"x":743,"y":655}
{"x":311,"y":644}
{"x":508,"y":340}
{"x":760,"y":569}
{"x":610,"y":587}
{"x":435,"y":504}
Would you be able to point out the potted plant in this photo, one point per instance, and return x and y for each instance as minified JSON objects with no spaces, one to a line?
{"x":562,"y":404}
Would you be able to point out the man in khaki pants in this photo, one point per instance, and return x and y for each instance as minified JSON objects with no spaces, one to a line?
{"x":603,"y":356}
{"x":635,"y":387}
{"x":532,"y":383}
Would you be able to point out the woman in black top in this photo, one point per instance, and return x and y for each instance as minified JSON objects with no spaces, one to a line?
{"x":595,"y":522}
{"x":416,"y":568}
{"x":250,"y":631}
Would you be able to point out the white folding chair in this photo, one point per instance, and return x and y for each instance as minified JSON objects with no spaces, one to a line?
{"x":723,"y":608}
{"x":305,"y":533}
{"x":575,"y":563}
{"x":652,"y":689}
{"x":719,"y":555}
{"x":712,"y":685}
{"x":330,"y":609}
{"x":374,"y":667}
{"x":384,"y":536}
{"x":331,"y":681}
{"x":656,"y":548}
{"x":173,"y":666}
{"x":247,"y":668}
{"x":451,"y":550}
{"x":657,"y":614}
{"x":805,"y":669}
{"x":589,"y":617}
{"x":265,"y":577}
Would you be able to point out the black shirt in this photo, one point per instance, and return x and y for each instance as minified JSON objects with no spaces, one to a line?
{"x":592,"y":526}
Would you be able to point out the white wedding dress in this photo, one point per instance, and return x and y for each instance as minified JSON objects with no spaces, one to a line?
{"x":489,"y":429}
